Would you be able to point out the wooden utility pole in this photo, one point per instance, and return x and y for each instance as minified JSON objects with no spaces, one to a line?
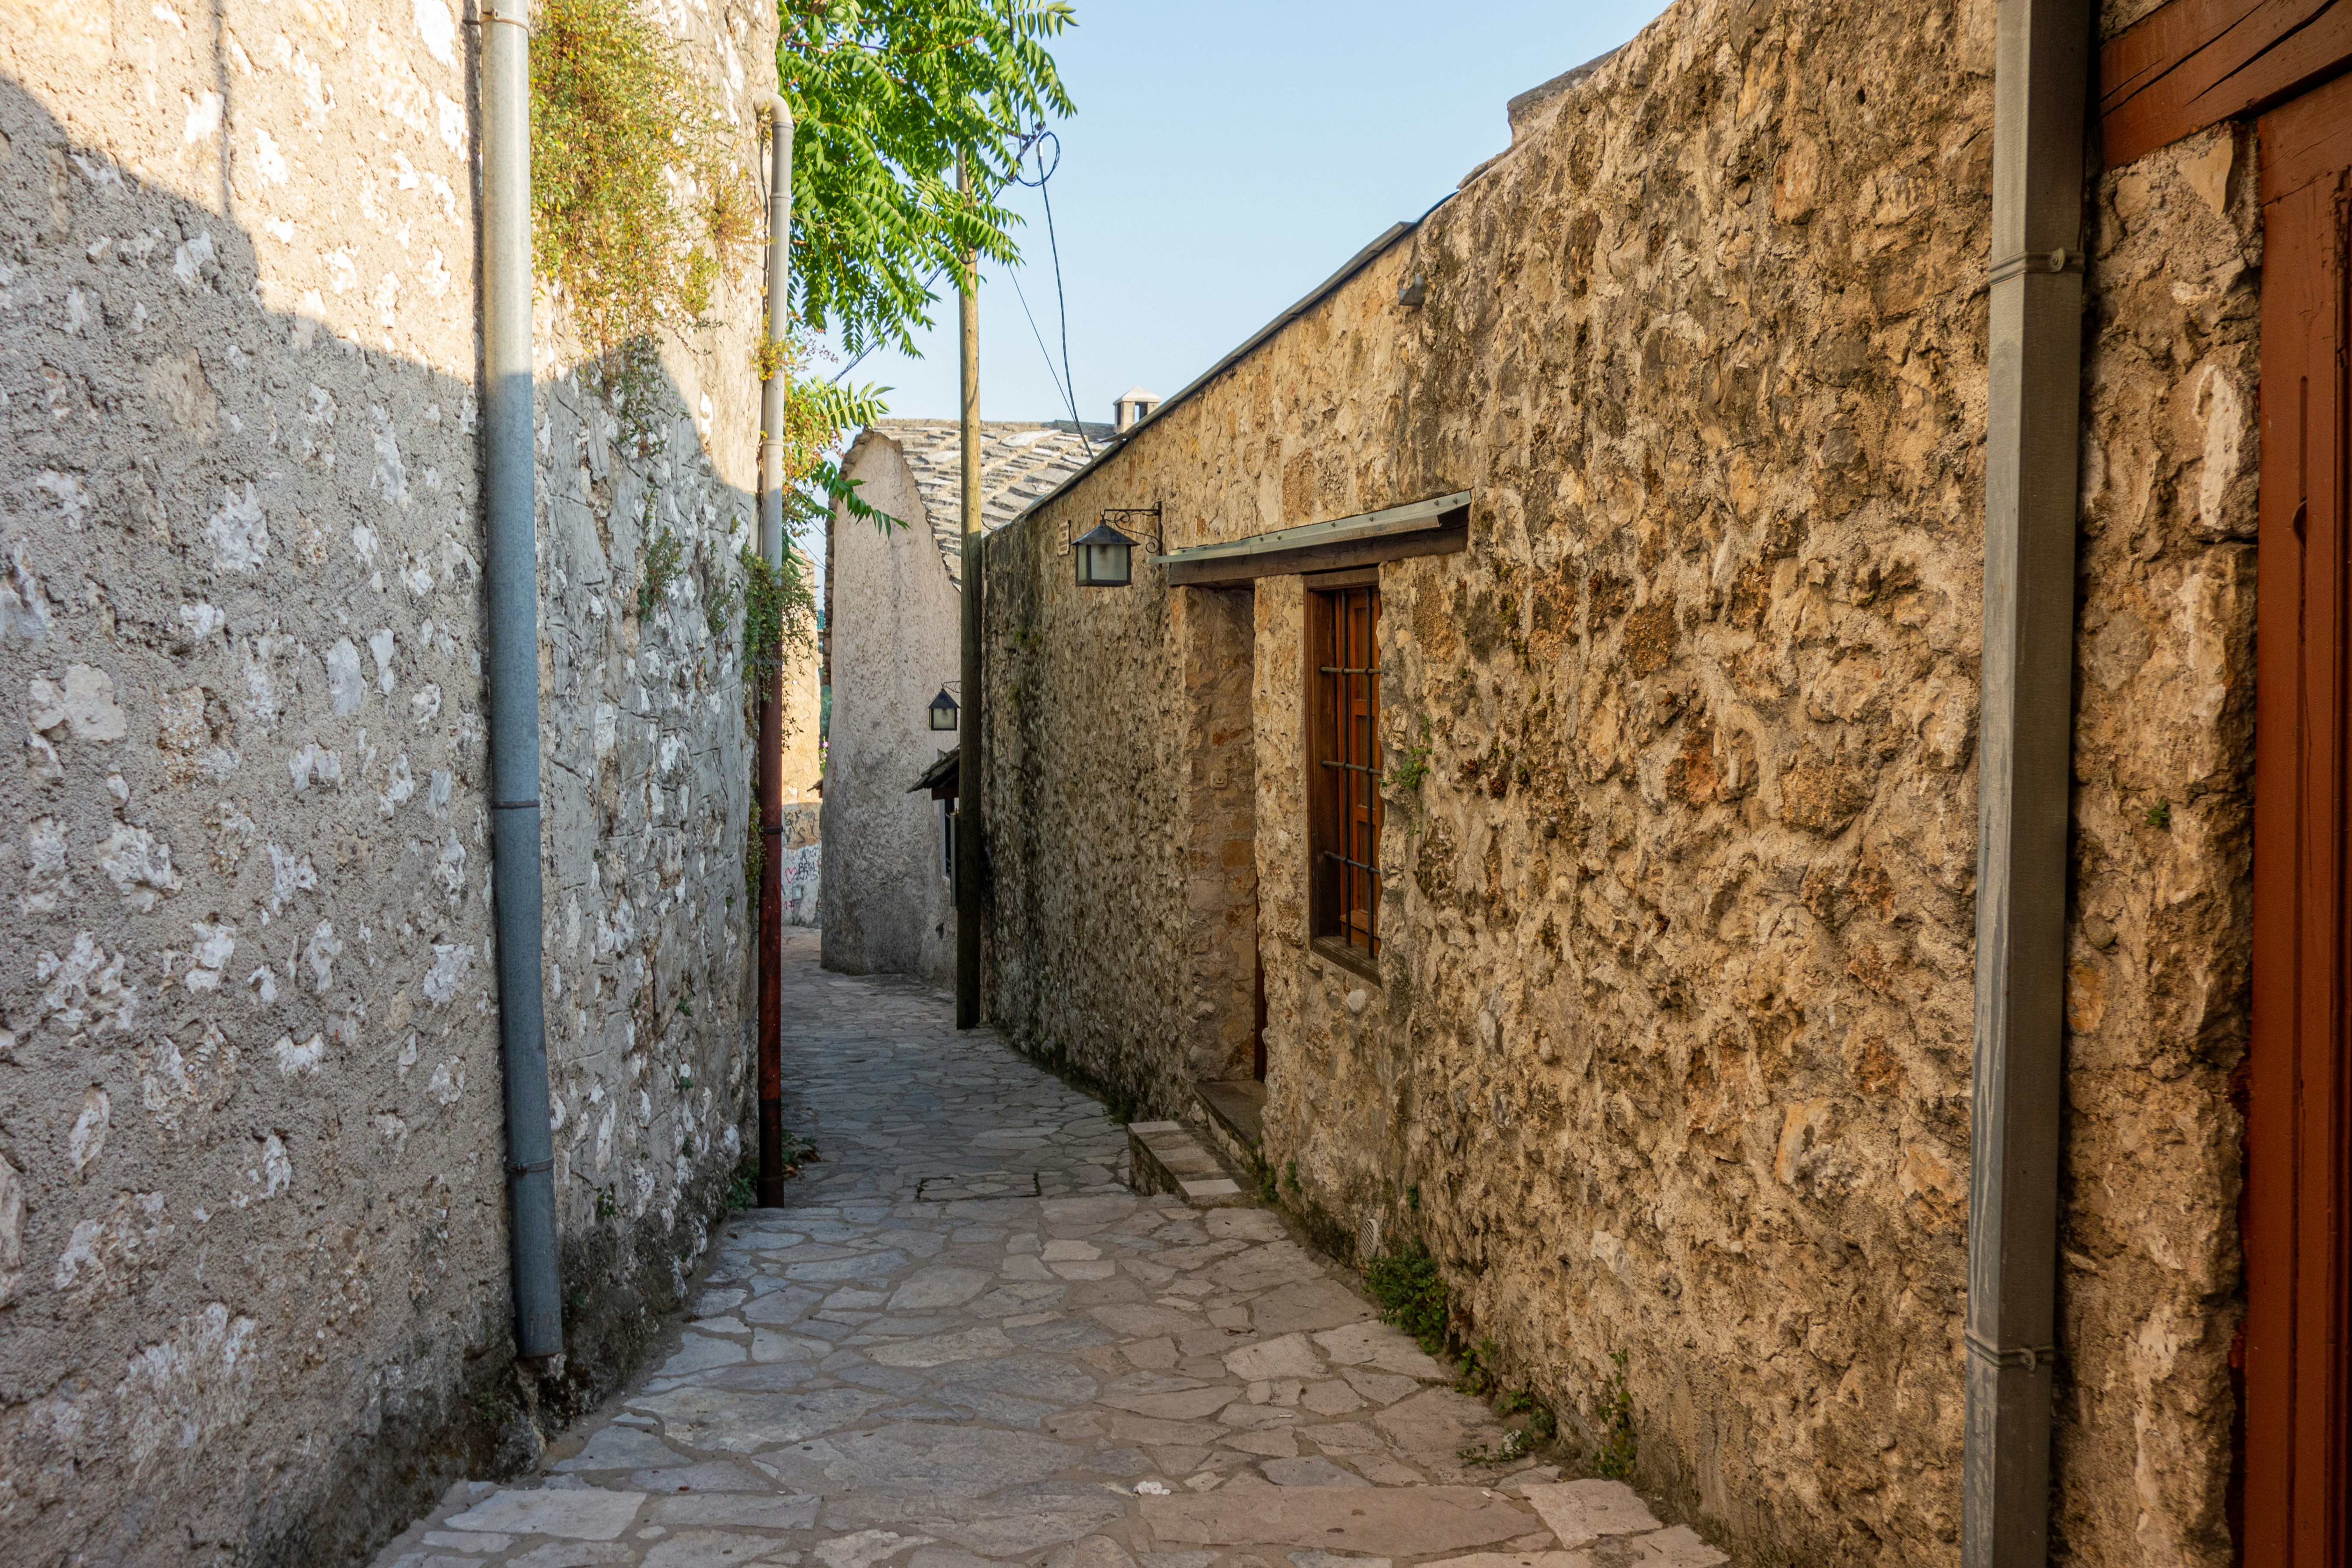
{"x":968,"y":743}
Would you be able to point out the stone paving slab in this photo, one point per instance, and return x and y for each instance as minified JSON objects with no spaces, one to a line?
{"x":965,"y":1342}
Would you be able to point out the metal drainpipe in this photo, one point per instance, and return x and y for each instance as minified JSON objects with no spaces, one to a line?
{"x":770,"y":675}
{"x":510,"y":583}
{"x":2041,"y":86}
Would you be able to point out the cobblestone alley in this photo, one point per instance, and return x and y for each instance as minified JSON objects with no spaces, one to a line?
{"x":965,"y":1340}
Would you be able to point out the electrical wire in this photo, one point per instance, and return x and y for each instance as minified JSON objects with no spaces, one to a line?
{"x":1059,"y":391}
{"x":1068,"y":383}
{"x":1064,"y":383}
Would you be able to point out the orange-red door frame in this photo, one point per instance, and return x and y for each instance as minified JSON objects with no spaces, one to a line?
{"x":2297,"y":1371}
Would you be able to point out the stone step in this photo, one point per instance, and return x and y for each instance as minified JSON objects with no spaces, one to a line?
{"x":1233,"y":1114}
{"x":1164,"y":1157}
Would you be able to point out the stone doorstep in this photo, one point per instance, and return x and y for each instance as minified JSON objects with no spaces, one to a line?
{"x":1164,"y":1157}
{"x":1233,"y":1115}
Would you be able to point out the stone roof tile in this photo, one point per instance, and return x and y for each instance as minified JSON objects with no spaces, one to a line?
{"x":1019,"y":462}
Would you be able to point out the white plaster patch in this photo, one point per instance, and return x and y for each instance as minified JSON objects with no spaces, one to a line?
{"x":84,"y":703}
{"x":321,"y":953}
{"x":139,"y":865}
{"x":380,"y":647}
{"x":204,"y":117}
{"x":87,"y":1141}
{"x":104,"y":1251}
{"x":239,"y":533}
{"x":288,"y":874}
{"x":447,"y":1087}
{"x":86,"y":986}
{"x":363,"y":544}
{"x":277,"y":1170}
{"x":12,"y":1229}
{"x":451,"y":869}
{"x":426,"y":703}
{"x":451,"y":118}
{"x":46,"y":877}
{"x":190,"y":260}
{"x":314,"y":764}
{"x":216,"y":940}
{"x":437,"y":274}
{"x":341,"y":274}
{"x":177,"y":1394}
{"x":301,"y":1060}
{"x":449,"y":962}
{"x":439,"y":31}
{"x":398,"y":786}
{"x":268,"y":160}
{"x":346,"y":688}
{"x":24,"y":604}
{"x":201,"y":620}
{"x":73,"y":497}
{"x":391,"y":473}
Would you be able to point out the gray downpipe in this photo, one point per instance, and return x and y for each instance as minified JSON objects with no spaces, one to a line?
{"x":769,"y":673}
{"x":511,"y":579}
{"x":2041,"y":86}
{"x":771,"y":391}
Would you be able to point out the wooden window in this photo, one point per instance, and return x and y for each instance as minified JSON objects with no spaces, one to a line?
{"x":1344,"y":795}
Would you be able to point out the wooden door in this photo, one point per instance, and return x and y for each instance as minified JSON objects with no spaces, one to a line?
{"x":2299,"y":1375}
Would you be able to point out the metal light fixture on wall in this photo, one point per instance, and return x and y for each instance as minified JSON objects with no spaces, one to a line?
{"x":1106,"y":557}
{"x":944,"y":709}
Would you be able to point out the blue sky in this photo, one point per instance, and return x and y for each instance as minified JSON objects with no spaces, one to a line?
{"x":1225,"y":159}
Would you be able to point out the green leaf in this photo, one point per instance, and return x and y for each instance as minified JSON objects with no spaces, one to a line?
{"x":887,"y":96}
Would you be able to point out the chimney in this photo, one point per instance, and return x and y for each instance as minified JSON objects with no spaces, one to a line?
{"x":1133,"y":407}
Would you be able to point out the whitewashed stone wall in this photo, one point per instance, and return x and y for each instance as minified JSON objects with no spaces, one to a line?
{"x":885,"y":902}
{"x":254,"y":1301}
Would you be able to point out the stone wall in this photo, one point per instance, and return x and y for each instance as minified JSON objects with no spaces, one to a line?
{"x":254,"y":1300}
{"x":885,"y":902}
{"x":1668,"y":1053}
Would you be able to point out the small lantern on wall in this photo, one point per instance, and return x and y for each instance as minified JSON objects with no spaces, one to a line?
{"x":943,"y":711}
{"x":1106,"y":557}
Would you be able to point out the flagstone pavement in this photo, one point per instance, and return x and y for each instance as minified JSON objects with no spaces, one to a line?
{"x":964,"y":1341}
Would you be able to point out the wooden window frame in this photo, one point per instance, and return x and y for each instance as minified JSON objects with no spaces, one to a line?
{"x":1343,"y":793}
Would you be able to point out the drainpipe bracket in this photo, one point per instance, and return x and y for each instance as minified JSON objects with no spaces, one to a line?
{"x":533,"y":1169}
{"x":2030,"y":1357}
{"x":2028,"y":262}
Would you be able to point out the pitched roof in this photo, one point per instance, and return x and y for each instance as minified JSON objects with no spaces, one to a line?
{"x":1020,"y":461}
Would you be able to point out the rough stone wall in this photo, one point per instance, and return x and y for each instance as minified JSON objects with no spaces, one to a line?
{"x":254,"y":1300}
{"x":896,"y":639}
{"x":1220,"y":788}
{"x":1670,"y":1051}
{"x":2159,"y":948}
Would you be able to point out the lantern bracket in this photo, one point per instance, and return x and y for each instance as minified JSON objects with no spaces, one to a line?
{"x":1119,"y":516}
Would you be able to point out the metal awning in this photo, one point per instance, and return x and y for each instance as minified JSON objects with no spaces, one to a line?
{"x":942,"y":775}
{"x":1407,"y":519}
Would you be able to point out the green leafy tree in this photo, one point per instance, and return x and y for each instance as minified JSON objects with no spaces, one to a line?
{"x":887,"y":96}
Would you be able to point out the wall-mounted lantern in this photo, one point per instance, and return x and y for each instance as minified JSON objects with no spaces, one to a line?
{"x":1106,"y":557}
{"x":943,"y":711}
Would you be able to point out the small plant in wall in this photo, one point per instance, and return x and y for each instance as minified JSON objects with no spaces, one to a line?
{"x":1405,"y":778}
{"x":1613,"y":1419}
{"x":1412,"y":1294}
{"x":636,"y":204}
